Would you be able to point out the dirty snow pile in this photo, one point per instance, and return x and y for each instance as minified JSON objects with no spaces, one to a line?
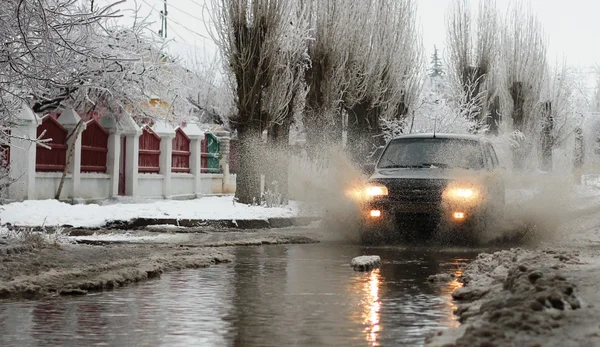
{"x":511,"y":297}
{"x":53,"y":212}
{"x":133,"y":238}
{"x":365,"y":262}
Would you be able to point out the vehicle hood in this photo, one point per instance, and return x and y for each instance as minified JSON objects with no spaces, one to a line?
{"x":424,"y":173}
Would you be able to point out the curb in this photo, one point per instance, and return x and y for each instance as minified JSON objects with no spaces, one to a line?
{"x":141,"y":223}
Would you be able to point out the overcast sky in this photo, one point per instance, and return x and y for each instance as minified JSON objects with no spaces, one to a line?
{"x":571,"y":26}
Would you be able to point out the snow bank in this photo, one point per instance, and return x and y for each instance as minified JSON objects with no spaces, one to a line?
{"x":365,"y":262}
{"x":128,"y":237}
{"x":511,"y":297}
{"x":79,"y":269}
{"x":53,"y":212}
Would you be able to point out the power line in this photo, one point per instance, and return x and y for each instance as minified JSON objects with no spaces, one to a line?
{"x":177,"y":23}
{"x":192,"y":31}
{"x":186,"y":13}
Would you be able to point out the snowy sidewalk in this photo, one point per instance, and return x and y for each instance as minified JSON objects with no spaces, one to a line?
{"x":197,"y":212}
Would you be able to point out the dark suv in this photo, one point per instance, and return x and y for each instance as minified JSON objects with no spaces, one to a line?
{"x":433,"y":180}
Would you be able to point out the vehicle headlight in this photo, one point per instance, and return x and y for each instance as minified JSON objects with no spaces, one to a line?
{"x":375,"y":190}
{"x":463,"y":193}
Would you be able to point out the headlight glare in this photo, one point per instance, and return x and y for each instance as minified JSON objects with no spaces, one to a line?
{"x":376,"y":190}
{"x":463,"y":193}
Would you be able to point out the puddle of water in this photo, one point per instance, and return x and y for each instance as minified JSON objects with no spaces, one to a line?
{"x":293,"y":295}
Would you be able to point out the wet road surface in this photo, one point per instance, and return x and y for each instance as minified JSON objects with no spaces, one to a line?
{"x":280,"y":295}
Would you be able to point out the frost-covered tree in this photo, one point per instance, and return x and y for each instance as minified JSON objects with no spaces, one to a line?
{"x":472,"y":48}
{"x":445,"y":108}
{"x":284,"y":102}
{"x":437,"y":68}
{"x":330,"y":23}
{"x":364,"y":62}
{"x":36,"y":41}
{"x":383,"y":77}
{"x":252,"y":37}
{"x":209,"y":93}
{"x":39,"y":39}
{"x":523,"y":57}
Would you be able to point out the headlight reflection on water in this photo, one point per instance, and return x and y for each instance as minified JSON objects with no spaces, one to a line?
{"x":372,"y":306}
{"x":452,"y":319}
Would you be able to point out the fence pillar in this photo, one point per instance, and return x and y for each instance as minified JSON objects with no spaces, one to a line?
{"x":69,"y":120}
{"x":224,"y":141}
{"x":22,"y":155}
{"x":132,"y":154}
{"x":196,"y":135}
{"x":117,"y":127}
{"x":113,"y":160}
{"x":167,"y":134}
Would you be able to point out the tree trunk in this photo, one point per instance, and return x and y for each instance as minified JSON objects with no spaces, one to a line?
{"x":546,"y":139}
{"x":76,"y":132}
{"x":276,"y":172}
{"x":363,"y":132}
{"x":516,"y":92}
{"x":494,"y":119}
{"x":248,"y":176}
{"x":357,"y":145}
{"x":578,"y":155}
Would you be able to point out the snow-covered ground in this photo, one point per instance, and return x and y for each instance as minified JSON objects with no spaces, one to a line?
{"x":53,"y":212}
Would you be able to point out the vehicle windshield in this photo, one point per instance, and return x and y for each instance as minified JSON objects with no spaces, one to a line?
{"x":432,"y":153}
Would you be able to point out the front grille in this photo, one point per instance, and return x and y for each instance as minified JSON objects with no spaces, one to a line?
{"x":421,"y":191}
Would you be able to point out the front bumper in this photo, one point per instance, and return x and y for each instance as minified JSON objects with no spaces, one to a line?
{"x":394,"y":214}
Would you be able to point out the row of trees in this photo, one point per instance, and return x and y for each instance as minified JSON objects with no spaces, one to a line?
{"x":498,"y":63}
{"x":358,"y":66}
{"x":336,"y":63}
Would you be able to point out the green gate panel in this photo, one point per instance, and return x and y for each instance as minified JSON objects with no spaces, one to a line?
{"x":213,"y":148}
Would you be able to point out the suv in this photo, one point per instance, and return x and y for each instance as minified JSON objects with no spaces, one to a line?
{"x":432,"y":180}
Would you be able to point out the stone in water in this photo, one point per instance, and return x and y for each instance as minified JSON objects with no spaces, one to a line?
{"x":365,"y":262}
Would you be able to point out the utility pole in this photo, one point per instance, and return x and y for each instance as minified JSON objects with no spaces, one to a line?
{"x":165,"y":16}
{"x":163,"y":21}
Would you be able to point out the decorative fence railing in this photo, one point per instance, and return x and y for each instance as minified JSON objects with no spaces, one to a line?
{"x":94,"y":148}
{"x":149,"y":157}
{"x":51,"y":159}
{"x":181,"y":152}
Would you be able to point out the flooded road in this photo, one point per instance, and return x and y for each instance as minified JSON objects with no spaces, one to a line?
{"x":280,"y":295}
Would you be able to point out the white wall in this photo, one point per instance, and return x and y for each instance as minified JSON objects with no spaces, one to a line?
{"x":94,"y":186}
{"x":182,"y":184}
{"x":150,"y":185}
